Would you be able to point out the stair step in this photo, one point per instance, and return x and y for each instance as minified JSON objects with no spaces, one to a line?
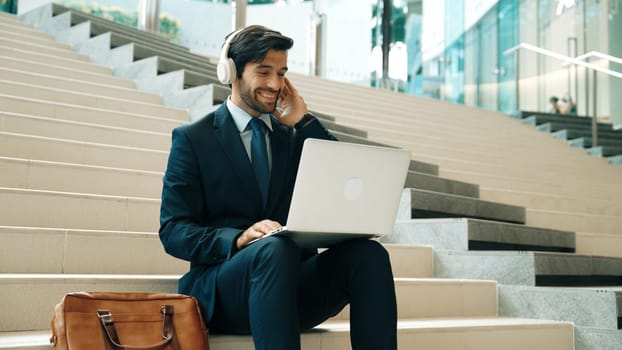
{"x":551,"y":201}
{"x":581,"y":189}
{"x":417,"y":204}
{"x":500,"y":166}
{"x":53,"y":176}
{"x":23,"y":28}
{"x":31,"y":36}
{"x":586,"y":142}
{"x":576,"y":221}
{"x":584,"y":122}
{"x":605,"y":150}
{"x":570,"y":134}
{"x":31,"y":55}
{"x":432,"y":334}
{"x":597,"y":307}
{"x":27,"y":106}
{"x":343,"y":129}
{"x":69,"y":73}
{"x":446,"y":145}
{"x":438,"y":298}
{"x":585,"y":130}
{"x":9,"y":17}
{"x":529,"y":268}
{"x":438,"y":184}
{"x":344,"y":137}
{"x":34,"y":208}
{"x":79,"y":152}
{"x":13,"y":42}
{"x":472,"y":234}
{"x":588,"y":338}
{"x":30,"y":298}
{"x":422,"y":167}
{"x":615,"y":160}
{"x":599,"y":244}
{"x":74,"y":251}
{"x":90,"y":101}
{"x":83,"y":86}
{"x":83,"y":131}
{"x":411,"y":261}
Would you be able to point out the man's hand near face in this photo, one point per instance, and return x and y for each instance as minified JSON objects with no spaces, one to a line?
{"x":293,"y":107}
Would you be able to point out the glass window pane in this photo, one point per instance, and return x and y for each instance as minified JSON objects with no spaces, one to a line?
{"x":199,"y":25}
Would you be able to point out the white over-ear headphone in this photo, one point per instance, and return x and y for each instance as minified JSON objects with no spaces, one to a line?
{"x":225,"y":70}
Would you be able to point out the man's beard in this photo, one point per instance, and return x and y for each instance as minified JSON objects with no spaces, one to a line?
{"x":249,"y":99}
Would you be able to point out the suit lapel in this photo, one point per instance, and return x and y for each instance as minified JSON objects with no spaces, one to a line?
{"x":229,"y":138}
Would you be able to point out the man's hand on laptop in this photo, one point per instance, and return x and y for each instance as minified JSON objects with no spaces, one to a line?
{"x":255,"y":232}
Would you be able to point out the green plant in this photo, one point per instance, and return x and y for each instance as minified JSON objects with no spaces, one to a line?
{"x":170,"y":27}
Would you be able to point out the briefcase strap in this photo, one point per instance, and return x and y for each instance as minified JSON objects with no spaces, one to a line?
{"x":107,"y":322}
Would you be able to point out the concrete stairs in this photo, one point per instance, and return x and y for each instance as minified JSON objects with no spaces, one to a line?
{"x":81,"y":174}
{"x":539,"y":274}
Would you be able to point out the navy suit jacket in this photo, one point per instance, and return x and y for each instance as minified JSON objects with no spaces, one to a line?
{"x":210,"y":194}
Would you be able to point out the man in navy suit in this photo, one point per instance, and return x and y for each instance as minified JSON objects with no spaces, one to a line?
{"x":214,"y":205}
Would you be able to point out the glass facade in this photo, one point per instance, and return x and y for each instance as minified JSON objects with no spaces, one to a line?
{"x":453,"y":50}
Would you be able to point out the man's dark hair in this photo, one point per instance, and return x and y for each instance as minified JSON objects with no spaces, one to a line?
{"x":252,"y":44}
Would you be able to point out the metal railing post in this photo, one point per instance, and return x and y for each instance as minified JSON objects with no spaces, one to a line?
{"x":587,"y":89}
{"x":595,"y":118}
{"x":517,"y":57}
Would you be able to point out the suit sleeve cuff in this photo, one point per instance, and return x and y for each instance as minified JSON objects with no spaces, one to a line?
{"x":304,"y":121}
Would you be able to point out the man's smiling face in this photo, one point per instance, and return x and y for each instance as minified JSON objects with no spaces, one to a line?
{"x":261,"y":83}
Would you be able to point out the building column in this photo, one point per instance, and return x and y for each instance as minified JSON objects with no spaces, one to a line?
{"x":149,"y":15}
{"x":240,"y":13}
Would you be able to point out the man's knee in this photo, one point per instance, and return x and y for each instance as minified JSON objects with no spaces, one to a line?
{"x":369,"y":250}
{"x":276,"y":250}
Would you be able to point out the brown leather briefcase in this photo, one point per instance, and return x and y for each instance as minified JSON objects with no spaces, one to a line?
{"x":114,"y":321}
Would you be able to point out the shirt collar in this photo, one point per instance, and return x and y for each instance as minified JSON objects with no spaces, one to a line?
{"x":241,"y":118}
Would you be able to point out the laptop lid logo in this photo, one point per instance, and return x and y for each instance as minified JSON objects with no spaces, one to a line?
{"x":353,"y":189}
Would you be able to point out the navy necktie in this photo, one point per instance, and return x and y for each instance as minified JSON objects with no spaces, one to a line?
{"x":259,"y":157}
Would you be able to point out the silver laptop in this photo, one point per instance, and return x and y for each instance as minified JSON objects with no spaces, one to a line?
{"x":344,"y":191}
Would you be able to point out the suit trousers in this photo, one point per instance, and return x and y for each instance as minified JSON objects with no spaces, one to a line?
{"x":266,"y":290}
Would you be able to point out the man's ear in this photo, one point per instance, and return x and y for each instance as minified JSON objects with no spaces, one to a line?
{"x":235,"y":87}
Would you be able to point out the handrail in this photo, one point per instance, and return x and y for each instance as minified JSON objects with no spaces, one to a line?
{"x":564,"y":58}
{"x":600,"y":55}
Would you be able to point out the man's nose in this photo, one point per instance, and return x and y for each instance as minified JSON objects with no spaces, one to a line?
{"x":274,"y":82}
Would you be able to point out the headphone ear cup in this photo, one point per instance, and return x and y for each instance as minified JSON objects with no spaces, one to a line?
{"x":226,"y":71}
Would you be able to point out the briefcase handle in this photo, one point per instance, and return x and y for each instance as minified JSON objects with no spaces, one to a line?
{"x":107,"y":322}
